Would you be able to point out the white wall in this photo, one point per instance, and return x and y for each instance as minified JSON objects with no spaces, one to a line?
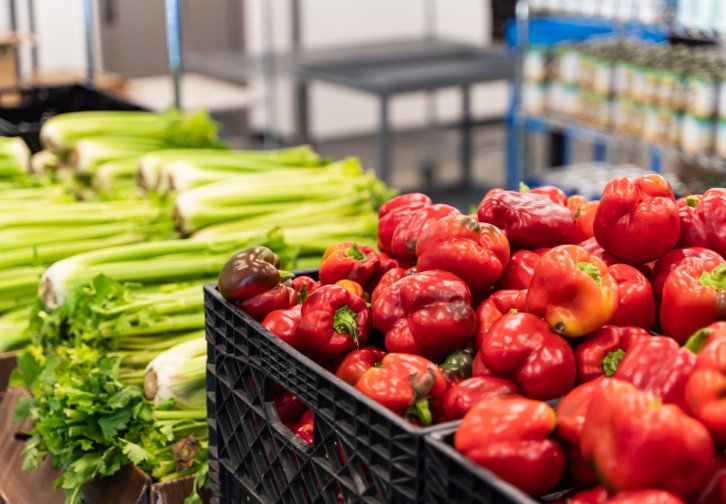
{"x":330,"y":23}
{"x":59,"y":31}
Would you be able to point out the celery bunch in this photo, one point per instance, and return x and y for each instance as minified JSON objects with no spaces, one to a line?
{"x":14,"y":157}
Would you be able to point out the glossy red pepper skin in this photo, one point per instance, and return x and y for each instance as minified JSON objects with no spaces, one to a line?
{"x":522,"y":453}
{"x":521,"y":347}
{"x":713,"y":488}
{"x":637,"y":220}
{"x":306,"y":428}
{"x":592,"y":246}
{"x":405,"y":237}
{"x":405,"y":384}
{"x":584,"y":213}
{"x":518,"y":272}
{"x":571,"y":413}
{"x":358,"y":362}
{"x":459,"y":244}
{"x":288,"y":406}
{"x":634,"y":442}
{"x":495,"y":307}
{"x":573,"y":290}
{"x":658,"y":365}
{"x":427,"y":313}
{"x":349,"y":261}
{"x":703,"y":219}
{"x":636,"y":305}
{"x":668,"y":263}
{"x":529,"y":220}
{"x":693,"y":297}
{"x":460,"y":398}
{"x":594,"y":349}
{"x":334,"y":322}
{"x":706,"y":388}
{"x":388,"y":279}
{"x":394,"y":211}
{"x":249,"y":273}
{"x":278,"y":298}
{"x":303,"y":286}
{"x":555,"y":194}
{"x":599,"y":495}
{"x":283,"y":324}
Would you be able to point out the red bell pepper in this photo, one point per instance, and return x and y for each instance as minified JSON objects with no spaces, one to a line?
{"x":584,"y":213}
{"x":458,"y":244}
{"x":460,"y":398}
{"x":258,"y":307}
{"x":457,"y":366}
{"x":352,"y":287}
{"x":405,"y":237}
{"x":521,"y":347}
{"x":713,"y":488}
{"x":288,"y":406}
{"x":592,"y":246}
{"x":250,"y":272}
{"x":555,"y":194}
{"x":406,"y":384}
{"x":637,"y":220}
{"x":635,"y":442}
{"x":283,"y":324}
{"x":668,"y":263}
{"x":704,"y":221}
{"x":387,"y":264}
{"x":427,"y":313}
{"x":599,"y":495}
{"x":573,"y":290}
{"x":518,"y":272}
{"x":358,"y":362}
{"x":394,"y":211}
{"x":333,"y":323}
{"x":494,"y":308}
{"x":636,"y":306}
{"x":303,"y":286}
{"x":510,"y":436}
{"x":388,"y":279}
{"x":571,"y":413}
{"x":657,"y":365}
{"x":349,"y":261}
{"x":706,"y":388}
{"x":600,"y":353}
{"x":693,"y":297}
{"x":305,"y":430}
{"x":529,"y":220}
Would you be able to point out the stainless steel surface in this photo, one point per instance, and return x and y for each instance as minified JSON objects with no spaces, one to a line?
{"x":173,"y":43}
{"x":90,"y":43}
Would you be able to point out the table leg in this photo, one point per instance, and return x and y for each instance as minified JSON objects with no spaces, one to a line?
{"x":466,"y":147}
{"x":384,"y":141}
{"x":302,"y":118}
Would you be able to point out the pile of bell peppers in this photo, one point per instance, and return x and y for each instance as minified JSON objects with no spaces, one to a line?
{"x":577,"y":344}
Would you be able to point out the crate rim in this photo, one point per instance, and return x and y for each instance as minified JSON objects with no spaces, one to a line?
{"x":436,"y":440}
{"x":211,"y":289}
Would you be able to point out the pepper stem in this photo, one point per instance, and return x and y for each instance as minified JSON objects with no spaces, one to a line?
{"x":612,"y":361}
{"x":523,"y":188}
{"x":421,"y":411}
{"x":578,"y":211}
{"x":692,"y":201}
{"x":699,"y":339}
{"x":355,"y":253}
{"x":715,"y":279}
{"x":286,"y":275}
{"x":302,"y":294}
{"x":344,"y":323}
{"x":591,"y":270}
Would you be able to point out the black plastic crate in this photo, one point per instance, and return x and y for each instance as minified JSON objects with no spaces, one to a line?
{"x":361,"y":452}
{"x":37,"y":105}
{"x":451,"y":477}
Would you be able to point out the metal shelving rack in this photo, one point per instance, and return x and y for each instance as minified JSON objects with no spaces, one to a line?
{"x":605,"y":143}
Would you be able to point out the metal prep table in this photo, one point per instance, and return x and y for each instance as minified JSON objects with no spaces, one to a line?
{"x":387,"y":70}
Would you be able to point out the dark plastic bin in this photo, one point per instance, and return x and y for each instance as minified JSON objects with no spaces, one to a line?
{"x":37,"y":105}
{"x":362,"y":452}
{"x":451,"y":477}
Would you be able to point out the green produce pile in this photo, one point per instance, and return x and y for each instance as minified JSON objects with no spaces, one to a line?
{"x":106,"y":239}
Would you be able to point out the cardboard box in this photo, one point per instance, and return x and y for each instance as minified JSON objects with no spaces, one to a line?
{"x":8,"y":61}
{"x":128,"y":486}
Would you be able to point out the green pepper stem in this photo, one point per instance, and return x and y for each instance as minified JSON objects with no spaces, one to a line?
{"x":698,"y":340}
{"x":344,"y":323}
{"x":692,"y":201}
{"x":591,"y":270}
{"x":355,"y":253}
{"x":715,"y":279}
{"x":523,"y":188}
{"x":611,"y":362}
{"x":421,"y":411}
{"x":286,"y":275}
